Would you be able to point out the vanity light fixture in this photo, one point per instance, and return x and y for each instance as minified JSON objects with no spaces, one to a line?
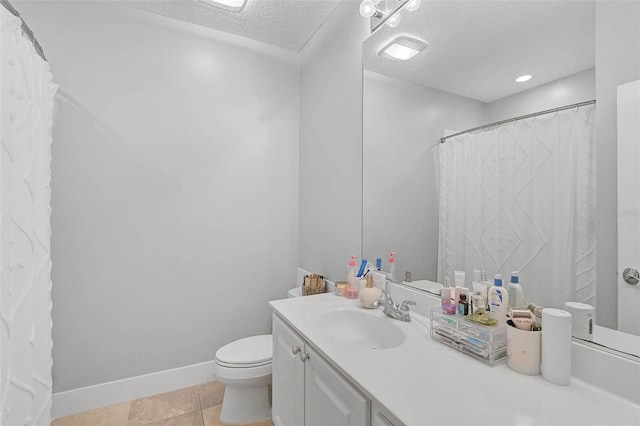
{"x":230,"y":5}
{"x":386,"y":9}
{"x":523,"y":78}
{"x":368,"y":9}
{"x":402,"y":48}
{"x":394,"y":21}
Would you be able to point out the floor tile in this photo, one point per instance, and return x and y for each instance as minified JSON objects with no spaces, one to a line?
{"x":164,"y":406}
{"x":211,"y":394}
{"x":113,"y":415}
{"x":211,"y":417}
{"x":190,"y":419}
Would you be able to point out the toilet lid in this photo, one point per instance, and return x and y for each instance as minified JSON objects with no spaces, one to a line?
{"x":248,"y":351}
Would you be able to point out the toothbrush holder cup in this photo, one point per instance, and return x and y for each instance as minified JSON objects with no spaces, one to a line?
{"x":524,"y":349}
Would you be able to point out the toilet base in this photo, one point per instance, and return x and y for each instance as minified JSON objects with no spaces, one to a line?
{"x":243,"y":404}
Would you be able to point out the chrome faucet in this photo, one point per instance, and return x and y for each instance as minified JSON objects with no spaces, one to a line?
{"x":393,"y":310}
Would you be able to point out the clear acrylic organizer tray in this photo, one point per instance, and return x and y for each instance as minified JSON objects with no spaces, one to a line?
{"x":486,"y":343}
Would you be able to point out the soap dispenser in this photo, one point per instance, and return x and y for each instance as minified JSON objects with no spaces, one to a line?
{"x":369,"y":295}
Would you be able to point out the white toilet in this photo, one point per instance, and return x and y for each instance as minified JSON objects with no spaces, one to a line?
{"x":244,"y":367}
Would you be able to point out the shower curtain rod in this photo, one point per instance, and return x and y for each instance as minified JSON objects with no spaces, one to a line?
{"x":522,"y":117}
{"x":25,"y":28}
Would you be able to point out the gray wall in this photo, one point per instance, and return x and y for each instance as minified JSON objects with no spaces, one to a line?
{"x":569,"y":90}
{"x":331,"y":143}
{"x":175,"y":197}
{"x":617,"y":62}
{"x":403,"y":124}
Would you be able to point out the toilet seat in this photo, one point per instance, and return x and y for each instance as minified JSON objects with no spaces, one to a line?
{"x":250,"y":352}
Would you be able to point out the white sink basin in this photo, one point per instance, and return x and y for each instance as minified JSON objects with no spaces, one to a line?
{"x":368,"y":329}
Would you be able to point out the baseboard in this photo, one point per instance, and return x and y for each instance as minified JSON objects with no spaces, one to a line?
{"x":91,"y":397}
{"x":104,"y":394}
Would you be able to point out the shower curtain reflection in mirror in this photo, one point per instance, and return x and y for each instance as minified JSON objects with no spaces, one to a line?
{"x":521,"y":197}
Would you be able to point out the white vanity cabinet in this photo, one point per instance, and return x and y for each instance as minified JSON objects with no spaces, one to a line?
{"x":381,"y":417}
{"x":307,"y":390}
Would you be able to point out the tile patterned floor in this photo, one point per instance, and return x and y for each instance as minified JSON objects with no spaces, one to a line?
{"x":194,"y":406}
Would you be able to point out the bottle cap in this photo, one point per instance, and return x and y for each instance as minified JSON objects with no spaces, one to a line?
{"x":463,"y":297}
{"x":515,"y":277}
{"x":391,"y":258}
{"x":353,"y":260}
{"x":497,"y":281}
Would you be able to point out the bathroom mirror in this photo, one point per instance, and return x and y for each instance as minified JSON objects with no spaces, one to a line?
{"x":463,"y":78}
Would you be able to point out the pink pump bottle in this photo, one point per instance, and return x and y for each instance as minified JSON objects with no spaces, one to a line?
{"x":353,"y":289}
{"x":392,"y":265}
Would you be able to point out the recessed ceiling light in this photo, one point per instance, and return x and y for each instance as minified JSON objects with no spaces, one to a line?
{"x":523,"y":78}
{"x":402,"y":48}
{"x":230,"y":5}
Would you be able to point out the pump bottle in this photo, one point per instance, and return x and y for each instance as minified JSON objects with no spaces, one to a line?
{"x":498,"y":300}
{"x":516,"y":294}
{"x":354,"y":286}
{"x":392,"y":265}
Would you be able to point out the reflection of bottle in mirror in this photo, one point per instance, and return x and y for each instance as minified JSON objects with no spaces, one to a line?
{"x":392,"y":265}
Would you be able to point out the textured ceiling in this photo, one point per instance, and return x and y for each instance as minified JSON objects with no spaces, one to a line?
{"x":477,"y":48}
{"x":285,"y":23}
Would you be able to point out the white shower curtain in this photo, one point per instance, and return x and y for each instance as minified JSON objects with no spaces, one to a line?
{"x":521,"y":196}
{"x":26,"y":106}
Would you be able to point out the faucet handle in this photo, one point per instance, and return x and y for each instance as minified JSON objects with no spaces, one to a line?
{"x":405,"y":305}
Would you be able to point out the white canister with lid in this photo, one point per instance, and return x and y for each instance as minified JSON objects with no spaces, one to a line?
{"x":556,"y":346}
{"x":582,"y":319}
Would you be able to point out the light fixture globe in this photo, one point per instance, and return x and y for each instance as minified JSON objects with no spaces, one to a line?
{"x":367,"y":8}
{"x":413,"y":5}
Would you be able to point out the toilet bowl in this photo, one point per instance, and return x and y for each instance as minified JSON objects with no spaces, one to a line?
{"x":244,"y":367}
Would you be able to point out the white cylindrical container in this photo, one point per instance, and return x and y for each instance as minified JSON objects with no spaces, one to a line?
{"x":582,"y":319}
{"x":523,"y":350}
{"x":556,"y":346}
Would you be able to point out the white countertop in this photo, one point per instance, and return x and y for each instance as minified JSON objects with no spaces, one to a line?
{"x":423,"y":382}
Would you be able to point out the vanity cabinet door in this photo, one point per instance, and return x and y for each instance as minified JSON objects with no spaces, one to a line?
{"x":288,"y":376}
{"x":381,"y":417}
{"x":330,"y":399}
